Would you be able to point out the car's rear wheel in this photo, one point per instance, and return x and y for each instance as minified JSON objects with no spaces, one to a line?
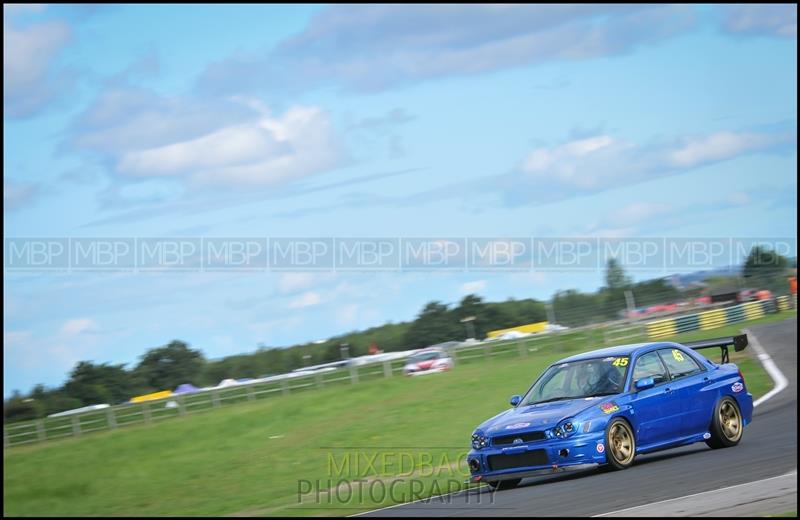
{"x":620,"y":444}
{"x":505,"y":484}
{"x":726,"y":425}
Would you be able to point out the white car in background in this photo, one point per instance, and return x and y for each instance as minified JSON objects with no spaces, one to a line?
{"x":554,"y":327}
{"x":515,"y":334}
{"x":428,"y":361}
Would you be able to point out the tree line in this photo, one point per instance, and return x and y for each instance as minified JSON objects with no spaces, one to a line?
{"x":176,"y":363}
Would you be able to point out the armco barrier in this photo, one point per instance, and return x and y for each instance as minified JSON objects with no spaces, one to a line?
{"x":716,"y":318}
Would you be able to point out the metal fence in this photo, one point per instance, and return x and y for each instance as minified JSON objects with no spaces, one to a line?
{"x":149,"y":412}
{"x":576,"y":339}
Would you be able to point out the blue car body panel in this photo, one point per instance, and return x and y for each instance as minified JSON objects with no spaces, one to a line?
{"x":521,"y":442}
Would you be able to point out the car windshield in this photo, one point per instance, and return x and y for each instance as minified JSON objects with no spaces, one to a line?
{"x":423,"y":356}
{"x":578,"y":379}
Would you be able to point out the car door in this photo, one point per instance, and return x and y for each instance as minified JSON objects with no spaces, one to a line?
{"x":657,"y":410}
{"x":688,"y":379}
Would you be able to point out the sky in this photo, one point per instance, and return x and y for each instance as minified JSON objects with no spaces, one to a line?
{"x":405,"y":126}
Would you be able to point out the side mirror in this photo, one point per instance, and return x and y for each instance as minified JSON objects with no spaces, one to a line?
{"x":645,"y":383}
{"x":515,"y":399}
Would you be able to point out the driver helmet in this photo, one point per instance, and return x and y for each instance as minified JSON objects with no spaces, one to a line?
{"x":589,"y":373}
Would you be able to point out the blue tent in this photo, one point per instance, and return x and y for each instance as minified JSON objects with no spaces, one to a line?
{"x":186,"y":388}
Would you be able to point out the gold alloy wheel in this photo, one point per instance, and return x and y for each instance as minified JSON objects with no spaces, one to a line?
{"x":621,"y":442}
{"x":730,"y":421}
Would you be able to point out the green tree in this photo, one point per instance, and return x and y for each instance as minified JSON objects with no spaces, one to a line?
{"x":615,"y":275}
{"x":435,"y":324}
{"x":269,"y":361}
{"x":763,"y":259}
{"x":651,"y":292}
{"x":765,"y":269}
{"x":215,"y":371}
{"x":574,"y":308}
{"x":58,"y":401}
{"x":19,"y":408}
{"x":472,"y":306}
{"x":92,"y":383}
{"x":612,"y":299}
{"x":165,"y":368}
{"x":512,"y":312}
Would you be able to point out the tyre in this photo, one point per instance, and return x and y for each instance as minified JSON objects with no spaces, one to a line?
{"x":620,"y":444}
{"x":500,"y":485}
{"x":726,"y":424}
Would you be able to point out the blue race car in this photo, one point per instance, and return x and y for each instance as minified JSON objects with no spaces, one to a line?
{"x":606,"y":406}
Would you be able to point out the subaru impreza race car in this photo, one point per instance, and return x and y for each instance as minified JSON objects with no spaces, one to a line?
{"x":606,"y":406}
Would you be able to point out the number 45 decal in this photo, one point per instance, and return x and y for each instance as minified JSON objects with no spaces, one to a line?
{"x":620,"y":362}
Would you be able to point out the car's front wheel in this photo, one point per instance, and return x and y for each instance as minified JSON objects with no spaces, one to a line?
{"x":505,"y":484}
{"x":726,"y":425}
{"x":620,"y":444}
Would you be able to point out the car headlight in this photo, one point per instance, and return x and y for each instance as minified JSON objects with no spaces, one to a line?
{"x":565,"y":429}
{"x":479,"y":441}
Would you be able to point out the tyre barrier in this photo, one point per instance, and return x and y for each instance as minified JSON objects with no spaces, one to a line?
{"x":718,"y":317}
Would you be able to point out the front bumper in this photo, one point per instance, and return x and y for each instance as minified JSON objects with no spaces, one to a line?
{"x":577,"y":452}
{"x":530,"y":473}
{"x":436,"y":370}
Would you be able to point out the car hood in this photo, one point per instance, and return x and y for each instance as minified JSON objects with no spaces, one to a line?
{"x":538,"y":416}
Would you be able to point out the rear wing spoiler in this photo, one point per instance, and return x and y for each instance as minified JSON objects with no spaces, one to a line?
{"x":739,"y":343}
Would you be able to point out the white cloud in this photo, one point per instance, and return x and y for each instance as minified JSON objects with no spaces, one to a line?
{"x":773,"y":20}
{"x":29,"y":77}
{"x":55,"y":351}
{"x":17,"y":195}
{"x":647,"y":218}
{"x":374,"y":47}
{"x":291,"y":282}
{"x":560,"y":160}
{"x":123,"y":119}
{"x":234,"y":142}
{"x":473,"y":287}
{"x":716,"y":147}
{"x":307,"y":299}
{"x":602,"y":162}
{"x":78,"y":326}
{"x":630,"y":219}
{"x":16,"y":338}
{"x":587,"y":165}
{"x":267,"y":151}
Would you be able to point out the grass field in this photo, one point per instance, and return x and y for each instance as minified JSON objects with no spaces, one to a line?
{"x":402,"y":438}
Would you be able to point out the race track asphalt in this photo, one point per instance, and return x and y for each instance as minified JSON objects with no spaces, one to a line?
{"x":768,"y":448}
